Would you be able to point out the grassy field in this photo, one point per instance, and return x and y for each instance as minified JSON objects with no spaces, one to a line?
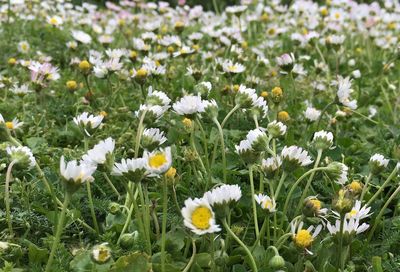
{"x":139,"y":136}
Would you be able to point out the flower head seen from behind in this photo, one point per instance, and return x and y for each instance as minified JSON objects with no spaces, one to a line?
{"x":100,"y":153}
{"x":199,"y":217}
{"x":75,"y":173}
{"x":293,"y":157}
{"x":132,"y":169}
{"x":22,"y":155}
{"x":88,"y":122}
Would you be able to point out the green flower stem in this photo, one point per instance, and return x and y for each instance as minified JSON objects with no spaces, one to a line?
{"x":205,"y":147}
{"x":41,"y":174}
{"x":7,"y":197}
{"x":253,"y":201}
{"x":341,"y":255}
{"x":323,"y":112}
{"x":246,"y":249}
{"x":282,"y":239}
{"x":281,"y":181}
{"x":390,"y":177}
{"x":237,"y":106}
{"x":139,"y":133}
{"x":111,"y":184}
{"x":189,"y":265}
{"x":260,"y":238}
{"x":221,"y":136}
{"x":212,"y":252}
{"x":305,"y":191}
{"x":380,"y":214}
{"x":178,"y":208}
{"x":294,"y":186}
{"x":193,"y":144}
{"x":60,"y":227}
{"x":366,"y":186}
{"x":164,"y":223}
{"x":146,"y":219}
{"x":89,"y":192}
{"x":255,"y":120}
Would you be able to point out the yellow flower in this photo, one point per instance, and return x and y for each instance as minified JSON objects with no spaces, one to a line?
{"x":84,"y":66}
{"x":303,"y":238}
{"x":170,"y":174}
{"x":264,"y":94}
{"x":283,"y":116}
{"x":10,"y":125}
{"x":72,"y":85}
{"x":141,"y":73}
{"x":355,"y":186}
{"x":324,"y":12}
{"x":12,"y":61}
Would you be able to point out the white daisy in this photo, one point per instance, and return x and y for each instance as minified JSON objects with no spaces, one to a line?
{"x":266,"y":202}
{"x":158,"y":162}
{"x":223,"y":195}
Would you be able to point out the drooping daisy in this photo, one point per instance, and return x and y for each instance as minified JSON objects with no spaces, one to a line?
{"x":100,"y":152}
{"x":75,"y":173}
{"x":158,"y":162}
{"x":303,"y":238}
{"x":22,"y":155}
{"x":223,"y":195}
{"x":312,"y":114}
{"x":152,"y":138}
{"x":276,"y":129}
{"x":266,"y":202}
{"x":133,"y":169}
{"x":189,"y":105}
{"x":81,"y":36}
{"x":286,"y":61}
{"x":199,"y":217}
{"x":294,"y":156}
{"x":344,"y":91}
{"x":88,"y":122}
{"x":338,"y":172}
{"x":378,"y":163}
{"x":322,"y":139}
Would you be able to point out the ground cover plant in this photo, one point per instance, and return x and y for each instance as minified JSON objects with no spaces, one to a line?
{"x":144,"y":137}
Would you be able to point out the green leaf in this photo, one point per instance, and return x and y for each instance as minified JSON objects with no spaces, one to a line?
{"x":135,"y":262}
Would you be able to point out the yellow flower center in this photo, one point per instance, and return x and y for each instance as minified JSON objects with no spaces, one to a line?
{"x":267,"y":204}
{"x":141,"y":72}
{"x":171,"y":173}
{"x":10,"y":125}
{"x":337,"y":15}
{"x":187,"y":122}
{"x":303,"y":238}
{"x":53,"y":21}
{"x":157,"y":160}
{"x":271,"y":31}
{"x":103,"y":255}
{"x":352,"y":213}
{"x":201,"y":218}
{"x":24,"y":46}
{"x":316,"y":204}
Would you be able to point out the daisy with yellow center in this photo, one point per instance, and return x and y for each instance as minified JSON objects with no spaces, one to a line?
{"x":266,"y":202}
{"x":303,"y":238}
{"x":199,"y":217}
{"x":158,"y":162}
{"x":11,"y":125}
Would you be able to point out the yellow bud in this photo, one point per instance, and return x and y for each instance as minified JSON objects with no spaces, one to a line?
{"x":170,"y":174}
{"x":264,"y":94}
{"x":141,"y":73}
{"x":277,"y":92}
{"x":236,"y":88}
{"x":355,"y":186}
{"x":121,"y":22}
{"x":196,"y":47}
{"x":12,"y":61}
{"x":10,"y":125}
{"x":187,"y":122}
{"x":103,"y":113}
{"x":391,"y":26}
{"x":245,"y":45}
{"x":264,"y":17}
{"x":283,"y":116}
{"x":133,"y":55}
{"x":359,"y":50}
{"x":274,"y":73}
{"x":72,"y":85}
{"x":84,"y":65}
{"x":170,"y":49}
{"x":324,"y":12}
{"x":164,"y":29}
{"x":179,"y":26}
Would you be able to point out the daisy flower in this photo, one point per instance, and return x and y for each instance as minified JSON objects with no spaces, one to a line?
{"x":303,"y":238}
{"x":101,"y":253}
{"x":81,"y":36}
{"x":266,"y":202}
{"x":276,"y":129}
{"x":158,"y":162}
{"x":100,"y":152}
{"x":322,"y":140}
{"x":223,"y":195}
{"x":199,"y":217}
{"x":133,"y":169}
{"x":359,"y":212}
{"x":75,"y":174}
{"x":152,"y":138}
{"x":378,"y":163}
{"x":351,"y":226}
{"x":294,"y":156}
{"x":312,"y":114}
{"x":234,"y":68}
{"x":189,"y":105}
{"x":344,"y":91}
{"x":22,"y":155}
{"x":88,"y":122}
